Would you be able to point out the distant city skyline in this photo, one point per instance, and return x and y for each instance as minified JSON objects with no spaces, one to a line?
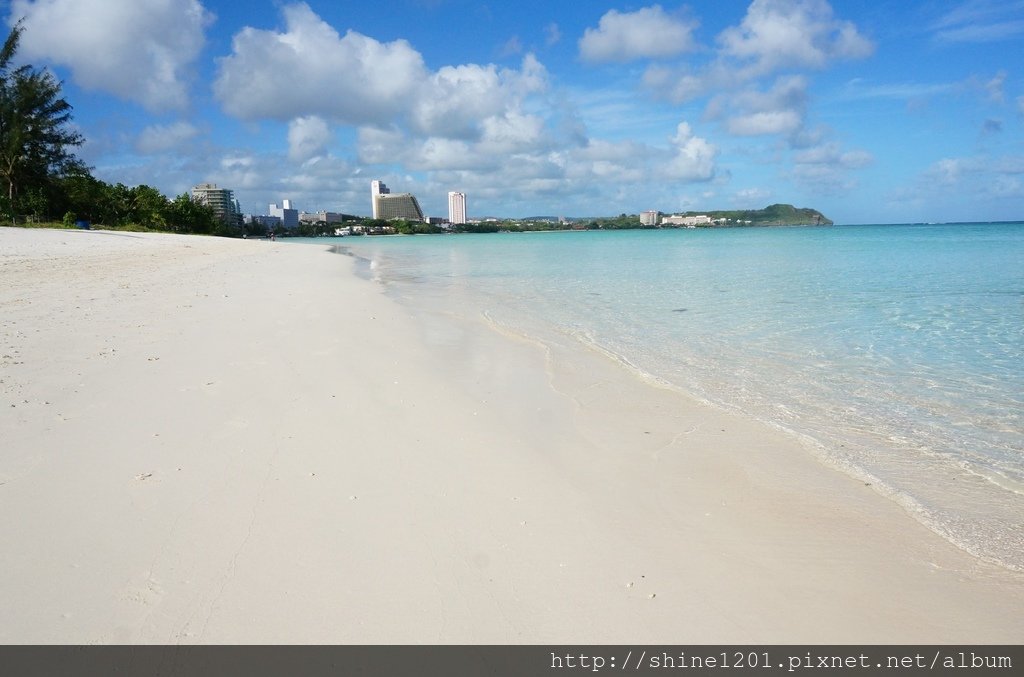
{"x":869,"y":112}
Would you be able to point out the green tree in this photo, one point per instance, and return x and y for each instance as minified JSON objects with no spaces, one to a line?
{"x":148,"y":207}
{"x":35,"y":140}
{"x":185,"y":215}
{"x":84,"y":195}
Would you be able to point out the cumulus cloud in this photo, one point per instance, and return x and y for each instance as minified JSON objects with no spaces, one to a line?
{"x":752,"y":112}
{"x":826,"y":168}
{"x":513,"y":134}
{"x":983,"y":175}
{"x":531,"y":163}
{"x":310,"y":69}
{"x":648,"y":33}
{"x":682,"y":83}
{"x":138,"y":50}
{"x":784,"y":33}
{"x":159,"y":138}
{"x":694,"y":158}
{"x":308,"y":137}
{"x":380,"y":145}
{"x":457,"y":98}
{"x":310,"y":74}
{"x":773,"y":36}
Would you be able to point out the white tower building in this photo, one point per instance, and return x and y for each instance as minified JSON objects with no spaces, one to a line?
{"x":289,"y":215}
{"x":377,"y":188}
{"x":456,"y":207}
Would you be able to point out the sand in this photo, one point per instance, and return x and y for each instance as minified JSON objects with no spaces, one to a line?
{"x":217,"y":441}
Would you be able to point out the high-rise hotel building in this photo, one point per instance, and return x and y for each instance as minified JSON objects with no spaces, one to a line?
{"x":377,"y":188}
{"x":388,"y":205}
{"x":220,"y":200}
{"x":456,"y":208}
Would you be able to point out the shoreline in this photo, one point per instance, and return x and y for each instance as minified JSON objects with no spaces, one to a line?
{"x":221,"y":441}
{"x":855,"y":428}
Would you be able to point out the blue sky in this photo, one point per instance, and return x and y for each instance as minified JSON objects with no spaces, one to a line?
{"x":873,"y":112}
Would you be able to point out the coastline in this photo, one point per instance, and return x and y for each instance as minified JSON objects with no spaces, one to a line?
{"x":222,"y":441}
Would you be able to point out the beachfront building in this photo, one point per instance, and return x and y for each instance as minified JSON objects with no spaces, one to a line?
{"x":649,"y":218}
{"x":324,"y":217}
{"x":698,"y":220}
{"x":377,"y":188}
{"x":389,"y":206}
{"x":220,"y":200}
{"x":398,"y":206}
{"x":456,"y":208}
{"x":268,"y":222}
{"x":288,"y":215}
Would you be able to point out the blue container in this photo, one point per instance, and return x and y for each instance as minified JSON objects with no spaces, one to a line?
{"x":84,"y":225}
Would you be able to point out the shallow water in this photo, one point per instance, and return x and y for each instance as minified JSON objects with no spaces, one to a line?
{"x":895,"y":352}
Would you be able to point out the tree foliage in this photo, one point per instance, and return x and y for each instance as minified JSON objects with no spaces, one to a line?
{"x":35,"y":139}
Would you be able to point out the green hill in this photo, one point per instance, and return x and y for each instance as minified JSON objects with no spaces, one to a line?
{"x":772,"y":215}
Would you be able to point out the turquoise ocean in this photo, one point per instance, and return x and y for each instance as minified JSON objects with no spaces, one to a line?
{"x":895,"y":352}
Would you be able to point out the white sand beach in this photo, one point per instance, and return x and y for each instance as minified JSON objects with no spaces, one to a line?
{"x":224,"y":441}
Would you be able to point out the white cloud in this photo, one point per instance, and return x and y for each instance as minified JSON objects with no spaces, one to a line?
{"x":457,"y":98}
{"x":680,"y":84}
{"x":766,"y":122}
{"x":313,"y":76}
{"x":308,"y":137}
{"x":648,"y":33}
{"x":1007,"y":187}
{"x":751,"y":112}
{"x":694,"y":158}
{"x":159,"y":138}
{"x":438,"y":153}
{"x":981,"y":176}
{"x":310,"y":69}
{"x":380,"y":145}
{"x":513,"y":132}
{"x":512,"y":46}
{"x":318,"y":184}
{"x":511,"y":135}
{"x":784,"y":33}
{"x":825,"y":168}
{"x":823,"y":179}
{"x":861,"y":89}
{"x":994,"y":87}
{"x":138,"y":50}
{"x":241,"y":171}
{"x":979,"y":21}
{"x":774,"y":35}
{"x":751,"y":197}
{"x":832,"y":154}
{"x":552,"y":34}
